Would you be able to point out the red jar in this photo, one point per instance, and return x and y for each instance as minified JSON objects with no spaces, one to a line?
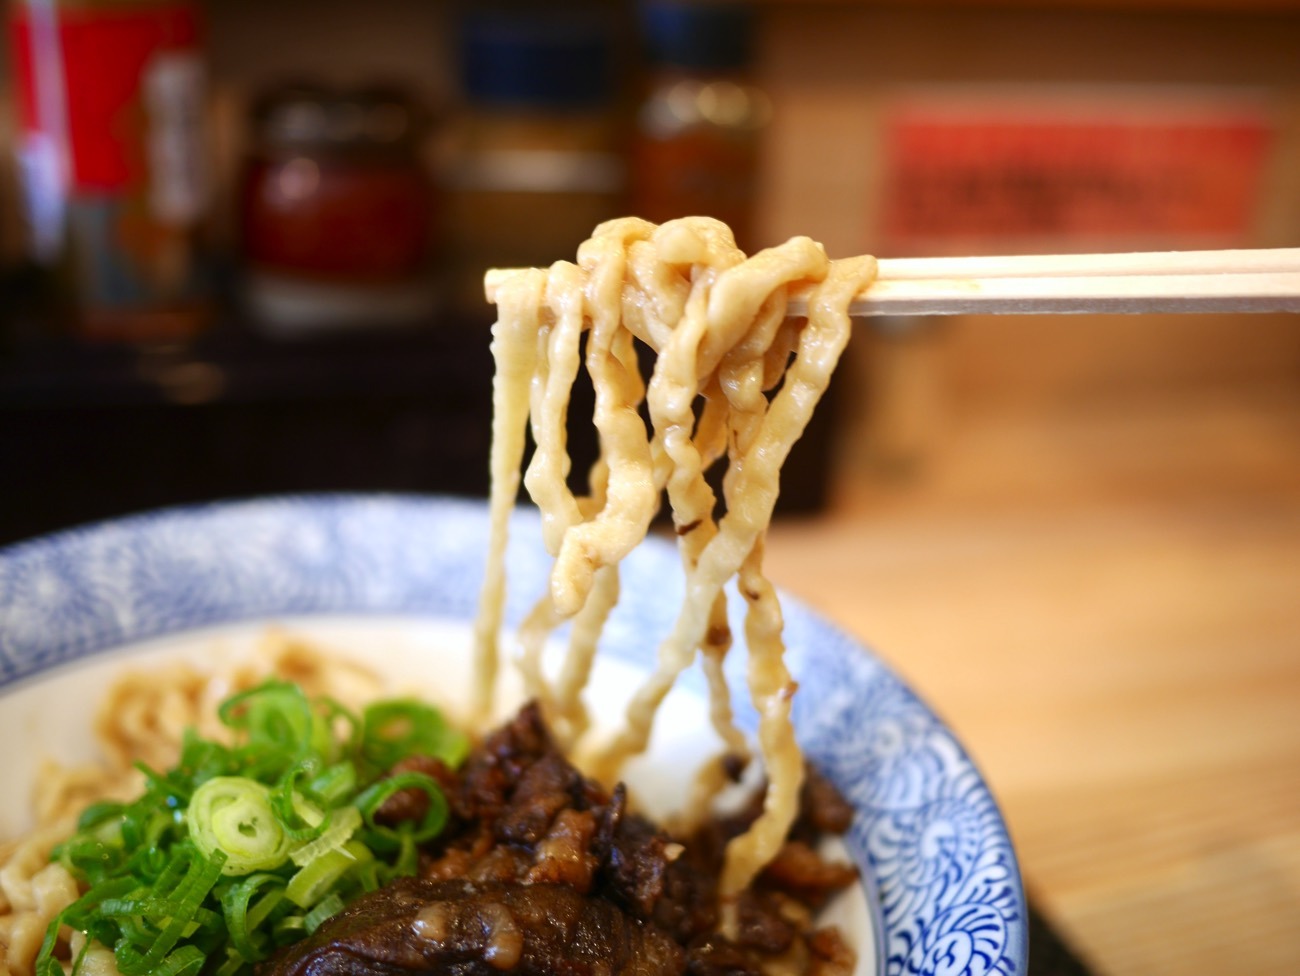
{"x":337,"y":210}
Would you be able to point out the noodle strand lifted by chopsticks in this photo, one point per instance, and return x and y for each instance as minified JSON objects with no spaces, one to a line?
{"x":718,"y":325}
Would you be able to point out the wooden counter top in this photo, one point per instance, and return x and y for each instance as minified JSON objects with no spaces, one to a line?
{"x":1106,"y":607}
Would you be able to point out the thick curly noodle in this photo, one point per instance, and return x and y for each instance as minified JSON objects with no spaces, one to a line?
{"x":718,"y":324}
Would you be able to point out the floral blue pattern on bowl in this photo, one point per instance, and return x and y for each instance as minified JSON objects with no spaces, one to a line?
{"x":939,"y":866}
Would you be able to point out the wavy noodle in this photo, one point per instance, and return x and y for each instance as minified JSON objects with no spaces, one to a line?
{"x":32,"y":892}
{"x":717,"y":322}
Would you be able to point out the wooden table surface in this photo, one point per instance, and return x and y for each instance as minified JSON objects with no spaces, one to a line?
{"x":1105,"y":605}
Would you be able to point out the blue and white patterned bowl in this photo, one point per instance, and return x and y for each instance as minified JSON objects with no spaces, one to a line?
{"x":940,"y":875}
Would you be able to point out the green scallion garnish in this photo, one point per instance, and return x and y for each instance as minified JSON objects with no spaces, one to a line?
{"x":242,"y":848}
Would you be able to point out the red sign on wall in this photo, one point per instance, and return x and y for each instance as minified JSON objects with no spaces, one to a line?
{"x":968,"y":174}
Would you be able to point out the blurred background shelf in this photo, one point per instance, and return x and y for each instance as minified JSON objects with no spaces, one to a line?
{"x":92,"y":431}
{"x":89,"y":432}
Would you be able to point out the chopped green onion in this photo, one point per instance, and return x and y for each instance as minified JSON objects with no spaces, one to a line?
{"x":316,"y":878}
{"x":274,"y":712}
{"x":170,"y":914}
{"x":46,"y":964}
{"x":340,"y":827}
{"x":435,"y":816}
{"x":334,"y":715}
{"x":396,"y":729}
{"x":291,"y":928}
{"x":240,"y":849}
{"x":98,"y":813}
{"x":269,"y":906}
{"x":334,"y":783}
{"x":233,"y":966}
{"x":233,"y":815}
{"x":330,"y":905}
{"x":407,"y":861}
{"x":234,"y":906}
{"x":302,"y":819}
{"x":183,"y":962}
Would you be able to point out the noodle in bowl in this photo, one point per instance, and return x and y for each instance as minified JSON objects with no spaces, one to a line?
{"x":392,"y":583}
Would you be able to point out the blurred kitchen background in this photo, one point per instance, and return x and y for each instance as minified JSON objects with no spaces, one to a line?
{"x":242,"y":244}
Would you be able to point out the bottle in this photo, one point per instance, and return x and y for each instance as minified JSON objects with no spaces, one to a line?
{"x":539,"y":161}
{"x":697,"y":142}
{"x":112,"y":159}
{"x":337,"y":211}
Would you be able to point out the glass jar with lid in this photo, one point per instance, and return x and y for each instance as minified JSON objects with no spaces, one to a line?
{"x":337,"y":210}
{"x":539,"y":154}
{"x":698,"y":135}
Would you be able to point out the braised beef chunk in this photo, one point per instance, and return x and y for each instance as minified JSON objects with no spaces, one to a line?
{"x":545,"y":787}
{"x":822,"y":810}
{"x":493,"y":770}
{"x":461,"y":928}
{"x":635,"y":857}
{"x":522,"y":812}
{"x":831,"y":955}
{"x":798,"y":868}
{"x":760,"y":924}
{"x":718,"y":957}
{"x":688,"y":908}
{"x":541,"y":870}
{"x":564,"y":855}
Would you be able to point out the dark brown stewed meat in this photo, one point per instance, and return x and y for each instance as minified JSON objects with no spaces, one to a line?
{"x":541,"y":870}
{"x":462,"y":928}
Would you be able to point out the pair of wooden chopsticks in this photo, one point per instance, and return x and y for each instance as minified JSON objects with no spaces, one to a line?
{"x":1160,"y":281}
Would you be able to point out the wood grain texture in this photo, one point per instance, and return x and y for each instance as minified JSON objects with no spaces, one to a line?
{"x":1105,"y":603}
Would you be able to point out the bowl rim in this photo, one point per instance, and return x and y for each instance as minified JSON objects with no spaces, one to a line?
{"x":960,"y":909}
